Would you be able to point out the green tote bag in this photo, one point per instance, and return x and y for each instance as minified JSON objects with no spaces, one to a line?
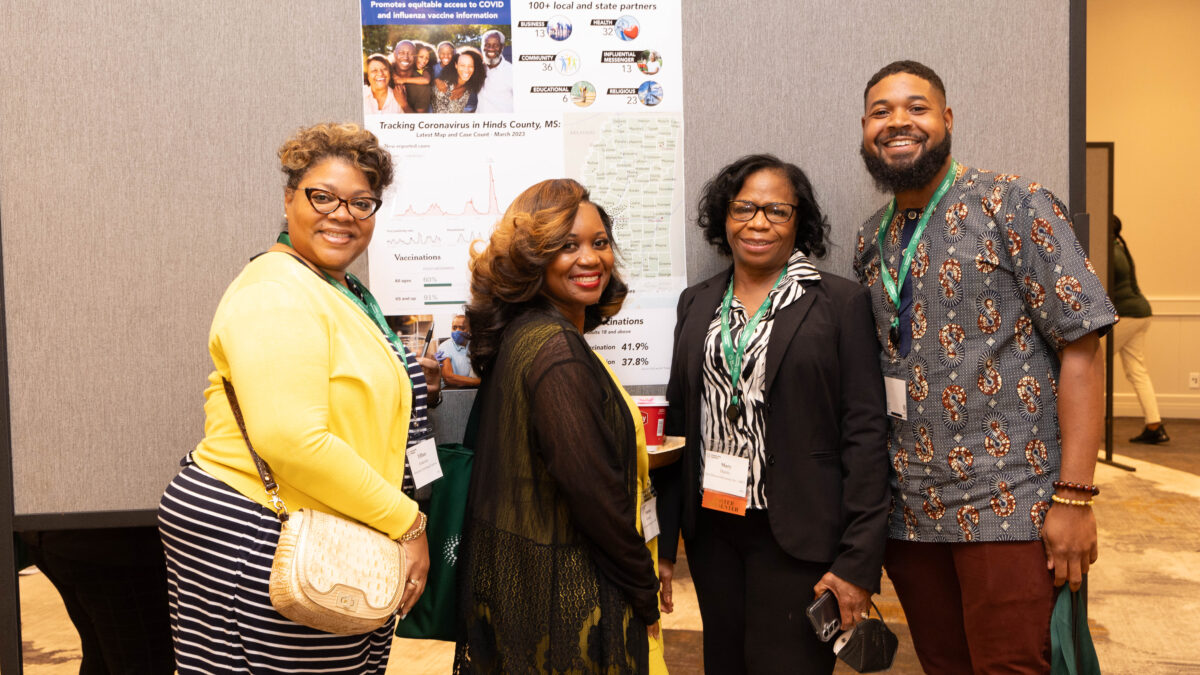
{"x":1071,"y":649}
{"x":433,"y":617}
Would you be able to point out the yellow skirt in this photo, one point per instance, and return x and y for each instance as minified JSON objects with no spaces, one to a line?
{"x":658,"y":664}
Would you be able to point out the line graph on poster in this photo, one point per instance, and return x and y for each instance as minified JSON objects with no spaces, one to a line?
{"x":433,"y":242}
{"x":445,"y":197}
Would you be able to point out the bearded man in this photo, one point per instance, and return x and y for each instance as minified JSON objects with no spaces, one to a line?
{"x":989,"y":314}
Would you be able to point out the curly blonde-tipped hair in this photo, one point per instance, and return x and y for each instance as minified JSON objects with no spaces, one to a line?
{"x":348,"y":141}
{"x":508,"y":274}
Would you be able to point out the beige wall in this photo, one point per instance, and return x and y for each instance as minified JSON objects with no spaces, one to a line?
{"x":1143,"y":93}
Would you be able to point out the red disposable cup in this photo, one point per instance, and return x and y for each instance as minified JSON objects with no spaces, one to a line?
{"x":654,"y":418}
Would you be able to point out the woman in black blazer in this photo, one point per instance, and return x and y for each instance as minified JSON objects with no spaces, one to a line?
{"x":775,"y":379}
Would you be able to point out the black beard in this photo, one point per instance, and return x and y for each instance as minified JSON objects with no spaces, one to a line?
{"x":921,"y":173}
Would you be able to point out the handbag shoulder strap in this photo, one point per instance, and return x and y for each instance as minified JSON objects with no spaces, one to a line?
{"x":264,"y":471}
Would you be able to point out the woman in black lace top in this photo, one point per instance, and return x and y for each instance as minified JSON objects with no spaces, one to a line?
{"x":555,"y":576}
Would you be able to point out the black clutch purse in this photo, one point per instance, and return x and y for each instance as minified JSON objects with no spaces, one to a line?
{"x":869,"y":647}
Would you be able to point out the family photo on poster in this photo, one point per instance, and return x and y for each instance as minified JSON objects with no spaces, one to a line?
{"x":437,"y":69}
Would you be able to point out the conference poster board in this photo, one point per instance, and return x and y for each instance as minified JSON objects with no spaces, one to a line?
{"x":586,"y":90}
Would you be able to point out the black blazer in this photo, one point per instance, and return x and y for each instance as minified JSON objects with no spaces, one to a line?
{"x":827,"y":460}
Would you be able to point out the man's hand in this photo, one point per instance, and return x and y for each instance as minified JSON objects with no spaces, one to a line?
{"x":1069,"y":532}
{"x":854,"y":602}
{"x":666,"y":572}
{"x":1069,"y":536}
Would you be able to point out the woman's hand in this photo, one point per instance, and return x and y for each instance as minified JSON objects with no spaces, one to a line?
{"x":853,"y":601}
{"x":441,"y":85}
{"x":666,"y":572}
{"x":433,"y":375}
{"x":417,"y":554}
{"x":655,"y":630}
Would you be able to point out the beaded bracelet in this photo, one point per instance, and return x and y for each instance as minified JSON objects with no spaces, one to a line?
{"x":1082,"y":487}
{"x":1072,"y":502}
{"x":416,"y":532}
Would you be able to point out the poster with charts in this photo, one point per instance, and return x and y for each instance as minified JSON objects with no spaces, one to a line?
{"x":479,"y":99}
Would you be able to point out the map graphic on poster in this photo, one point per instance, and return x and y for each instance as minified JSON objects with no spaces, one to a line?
{"x":479,"y":99}
{"x":630,"y":164}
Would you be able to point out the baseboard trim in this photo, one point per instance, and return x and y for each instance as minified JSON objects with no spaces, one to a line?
{"x":1186,"y":406}
{"x":1175,"y":305}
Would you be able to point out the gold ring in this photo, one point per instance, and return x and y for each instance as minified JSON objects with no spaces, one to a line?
{"x":412,"y":582}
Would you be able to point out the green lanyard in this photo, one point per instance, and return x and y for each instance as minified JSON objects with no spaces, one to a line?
{"x":893,"y":290}
{"x":366,"y":303}
{"x":732,"y":357}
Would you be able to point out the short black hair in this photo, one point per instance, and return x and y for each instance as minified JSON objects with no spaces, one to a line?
{"x":912,"y":68}
{"x":812,"y":228}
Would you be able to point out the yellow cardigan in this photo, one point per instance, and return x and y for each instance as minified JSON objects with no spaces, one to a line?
{"x":325,"y":400}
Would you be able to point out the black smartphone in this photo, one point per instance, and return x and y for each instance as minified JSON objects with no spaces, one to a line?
{"x":428,"y":339}
{"x":825,"y":616}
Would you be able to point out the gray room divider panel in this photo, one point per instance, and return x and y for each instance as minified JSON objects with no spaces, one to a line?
{"x":138,"y":174}
{"x":787,"y":77}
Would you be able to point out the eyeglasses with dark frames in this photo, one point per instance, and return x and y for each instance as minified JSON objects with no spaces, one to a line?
{"x":744,"y":211}
{"x":324,"y":201}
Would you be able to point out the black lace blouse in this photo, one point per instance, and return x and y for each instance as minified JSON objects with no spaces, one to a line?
{"x":554,"y":575}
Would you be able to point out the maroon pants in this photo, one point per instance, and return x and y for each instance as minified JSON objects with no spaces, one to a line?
{"x":977,"y":607}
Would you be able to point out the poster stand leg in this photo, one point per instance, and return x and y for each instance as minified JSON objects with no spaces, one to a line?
{"x":10,"y":591}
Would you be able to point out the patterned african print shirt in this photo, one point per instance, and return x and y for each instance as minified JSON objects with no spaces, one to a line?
{"x":998,"y":285}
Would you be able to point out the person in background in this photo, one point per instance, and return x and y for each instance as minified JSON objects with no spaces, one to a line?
{"x":775,"y":376}
{"x":497,"y":93}
{"x":452,"y":355}
{"x":331,"y":401}
{"x":420,"y":86}
{"x":1129,"y":336}
{"x":378,"y":94}
{"x":445,"y":54}
{"x":459,"y":82}
{"x":406,"y":81}
{"x":555,"y":574}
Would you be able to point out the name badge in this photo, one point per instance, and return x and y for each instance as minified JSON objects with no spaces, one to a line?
{"x":423,"y":460}
{"x":725,"y":482}
{"x":650,"y":518}
{"x":897,"y":397}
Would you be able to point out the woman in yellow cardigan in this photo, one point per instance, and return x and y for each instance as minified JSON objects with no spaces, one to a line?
{"x":331,"y":401}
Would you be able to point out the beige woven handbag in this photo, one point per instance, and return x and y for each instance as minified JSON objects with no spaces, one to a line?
{"x":329,"y":573}
{"x":336,"y":575}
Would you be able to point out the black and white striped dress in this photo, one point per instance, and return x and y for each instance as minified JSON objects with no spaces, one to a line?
{"x":745,"y":437}
{"x":219,"y":546}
